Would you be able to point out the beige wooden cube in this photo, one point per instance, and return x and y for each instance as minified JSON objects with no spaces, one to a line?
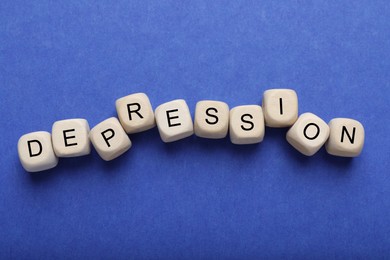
{"x":36,"y":152}
{"x":135,"y":113}
{"x":346,"y":137}
{"x":211,"y":119}
{"x":109,"y":139}
{"x":246,"y":124}
{"x":70,"y":137}
{"x":174,"y":120}
{"x":308,"y":134}
{"x":280,"y":107}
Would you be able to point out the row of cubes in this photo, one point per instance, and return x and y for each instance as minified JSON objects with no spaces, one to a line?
{"x":344,"y":137}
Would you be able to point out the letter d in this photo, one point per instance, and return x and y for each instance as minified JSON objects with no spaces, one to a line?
{"x":30,"y":149}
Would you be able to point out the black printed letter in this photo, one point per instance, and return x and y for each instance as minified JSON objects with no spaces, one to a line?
{"x":68,"y":137}
{"x":248,"y":122}
{"x":172,"y":117}
{"x":351,"y":139}
{"x":109,"y":137}
{"x":281,"y":105}
{"x":30,"y":150}
{"x":134,"y":111}
{"x":313,"y":137}
{"x":211,"y":115}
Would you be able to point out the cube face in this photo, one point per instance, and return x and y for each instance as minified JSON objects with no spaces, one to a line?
{"x":135,"y":113}
{"x":211,"y":119}
{"x":109,"y":139}
{"x":280,"y":107}
{"x":246,"y":124}
{"x":346,"y":138}
{"x":71,"y":138}
{"x":36,"y":152}
{"x":174,"y":120}
{"x":308,"y":134}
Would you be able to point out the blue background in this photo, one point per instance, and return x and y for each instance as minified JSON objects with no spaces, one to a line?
{"x":195,"y":198}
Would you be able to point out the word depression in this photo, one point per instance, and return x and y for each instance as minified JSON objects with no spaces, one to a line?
{"x":39,"y":151}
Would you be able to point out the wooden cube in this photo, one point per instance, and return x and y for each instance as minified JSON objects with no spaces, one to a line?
{"x":246,"y":125}
{"x":36,"y":152}
{"x":346,"y":137}
{"x":211,"y":119}
{"x":109,"y":139}
{"x":308,"y":134}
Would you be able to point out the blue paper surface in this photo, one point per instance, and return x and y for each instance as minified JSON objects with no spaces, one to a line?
{"x":195,"y":198}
